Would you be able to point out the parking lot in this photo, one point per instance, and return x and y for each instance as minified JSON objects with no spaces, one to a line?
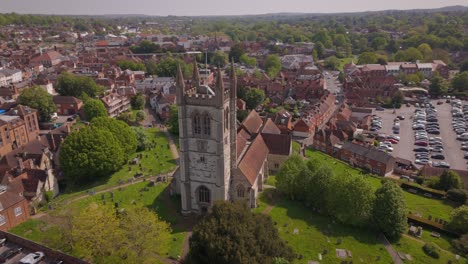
{"x":19,"y":256}
{"x":404,"y":149}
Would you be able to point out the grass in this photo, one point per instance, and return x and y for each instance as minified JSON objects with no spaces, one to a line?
{"x":156,"y":198}
{"x":428,"y":206}
{"x":154,"y":162}
{"x":317,"y":233}
{"x":414,"y":246}
{"x":343,"y":62}
{"x":271,"y":180}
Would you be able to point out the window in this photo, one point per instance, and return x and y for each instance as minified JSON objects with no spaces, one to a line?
{"x":240,"y":191}
{"x":203,"y":195}
{"x":207,"y":125}
{"x":276,"y":165}
{"x":18,"y":211}
{"x":202,"y":159}
{"x":2,"y":220}
{"x":196,"y":124}
{"x":202,"y":146}
{"x":7,"y":134}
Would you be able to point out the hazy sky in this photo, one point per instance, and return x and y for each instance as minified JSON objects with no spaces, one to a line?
{"x":211,"y":7}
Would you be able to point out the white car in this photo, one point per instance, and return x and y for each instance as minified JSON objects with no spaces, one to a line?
{"x":32,"y":258}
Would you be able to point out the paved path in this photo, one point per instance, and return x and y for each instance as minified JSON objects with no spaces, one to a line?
{"x":390,"y":250}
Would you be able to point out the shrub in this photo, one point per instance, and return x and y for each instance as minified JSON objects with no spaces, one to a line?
{"x":457,"y":195}
{"x":431,"y":250}
{"x":419,"y":180}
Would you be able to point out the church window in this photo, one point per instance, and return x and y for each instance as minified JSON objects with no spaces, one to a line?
{"x":203,"y":195}
{"x":202,"y":159}
{"x":276,"y":165}
{"x":240,"y":191}
{"x":207,"y":125}
{"x":196,"y":124}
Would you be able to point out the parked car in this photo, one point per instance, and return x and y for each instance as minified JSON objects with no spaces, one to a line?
{"x":10,"y":253}
{"x":422,"y":161}
{"x":2,"y":242}
{"x":421,"y":149}
{"x":57,"y":261}
{"x":401,"y":117}
{"x":438,"y":156}
{"x":32,"y":258}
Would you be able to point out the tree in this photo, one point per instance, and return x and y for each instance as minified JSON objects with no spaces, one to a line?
{"x":241,"y":115}
{"x":461,"y":244}
{"x":397,"y":99}
{"x":254,"y":97}
{"x":332,"y":63}
{"x":352,"y":200}
{"x":319,"y":185}
{"x":367,"y":58}
{"x":138,"y":101}
{"x":167,"y":67}
{"x":37,"y":98}
{"x":121,"y":131}
{"x":458,"y":219}
{"x":90,"y":153}
{"x":449,"y":180}
{"x":219,"y":59}
{"x":100,"y":234}
{"x":69,"y":84}
{"x":389,"y":211}
{"x":142,"y":138}
{"x":464,"y":66}
{"x":320,"y":49}
{"x":379,"y":43}
{"x":286,"y":179}
{"x":236,"y":52}
{"x":426,"y":51}
{"x":94,"y":108}
{"x":460,"y":81}
{"x":140,"y":116}
{"x":231,"y":233}
{"x":437,"y":86}
{"x":249,"y":61}
{"x":272,"y":65}
{"x":173,"y":121}
{"x":411,"y":54}
{"x":131,"y":65}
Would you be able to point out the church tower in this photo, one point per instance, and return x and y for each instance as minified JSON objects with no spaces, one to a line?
{"x":207,"y":117}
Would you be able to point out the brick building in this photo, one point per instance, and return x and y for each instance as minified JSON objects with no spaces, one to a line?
{"x":367,"y":157}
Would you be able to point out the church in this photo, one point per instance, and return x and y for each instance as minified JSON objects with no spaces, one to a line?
{"x":220,"y":158}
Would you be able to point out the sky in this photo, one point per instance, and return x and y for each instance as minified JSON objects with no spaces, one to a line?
{"x":211,"y":7}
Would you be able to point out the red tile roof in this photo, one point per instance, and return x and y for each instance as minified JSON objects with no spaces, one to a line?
{"x":254,"y":159}
{"x":270,"y":128}
{"x":252,"y":122}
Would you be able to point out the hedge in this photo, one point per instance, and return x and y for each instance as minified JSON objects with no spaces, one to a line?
{"x":422,"y":190}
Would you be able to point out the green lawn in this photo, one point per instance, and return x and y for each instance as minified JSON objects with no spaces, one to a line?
{"x":428,"y":206}
{"x":271,"y":180}
{"x":316,"y":233}
{"x":154,"y":162}
{"x":413,"y":247}
{"x":155,"y":198}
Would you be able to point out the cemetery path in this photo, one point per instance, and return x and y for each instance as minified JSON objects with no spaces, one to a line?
{"x":390,"y":250}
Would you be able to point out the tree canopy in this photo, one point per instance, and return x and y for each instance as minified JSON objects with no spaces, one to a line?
{"x":460,"y":81}
{"x":138,"y":101}
{"x":38,"y":98}
{"x":142,"y":138}
{"x":254,"y":97}
{"x":449,"y":180}
{"x":131,"y":65}
{"x":389,"y":212}
{"x":219,"y":59}
{"x":231,"y":233}
{"x":94,"y":108}
{"x":459,"y":219}
{"x":272,"y":65}
{"x":69,"y":84}
{"x":173,"y":121}
{"x":121,"y":131}
{"x":90,"y":153}
{"x":167,"y":67}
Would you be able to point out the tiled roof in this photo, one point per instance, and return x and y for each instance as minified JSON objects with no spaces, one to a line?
{"x":58,"y":99}
{"x":278,"y":144}
{"x":252,"y":122}
{"x":254,"y":159}
{"x":367,"y":152}
{"x":270,"y":128}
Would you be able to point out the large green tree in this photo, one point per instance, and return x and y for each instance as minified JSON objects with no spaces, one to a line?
{"x":272,"y":65}
{"x":459,"y":219}
{"x":38,"y":98}
{"x":100,"y":234}
{"x":437,"y":86}
{"x":249,"y":61}
{"x":90,"y":153}
{"x":131,"y":65}
{"x":319,"y":185}
{"x":254,"y":97}
{"x":121,"y":131}
{"x":138,"y":101}
{"x":231,"y":233}
{"x":367,"y":58}
{"x":69,"y":84}
{"x":219,"y":59}
{"x":173,"y":121}
{"x":236,"y":52}
{"x":460,"y":82}
{"x":143,"y":140}
{"x":287,"y":177}
{"x":167,"y":67}
{"x":389,"y":212}
{"x":94,"y":108}
{"x":449,"y":180}
{"x":410,"y":54}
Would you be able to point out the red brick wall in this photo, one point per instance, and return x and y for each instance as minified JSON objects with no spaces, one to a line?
{"x":11,"y":219}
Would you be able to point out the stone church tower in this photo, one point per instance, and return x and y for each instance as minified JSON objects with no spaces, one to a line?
{"x":207,"y":134}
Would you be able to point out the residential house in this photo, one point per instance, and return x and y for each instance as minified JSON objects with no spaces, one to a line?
{"x":14,"y":208}
{"x":116,"y":104}
{"x":367,"y":157}
{"x":67,"y":105}
{"x":48,"y":59}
